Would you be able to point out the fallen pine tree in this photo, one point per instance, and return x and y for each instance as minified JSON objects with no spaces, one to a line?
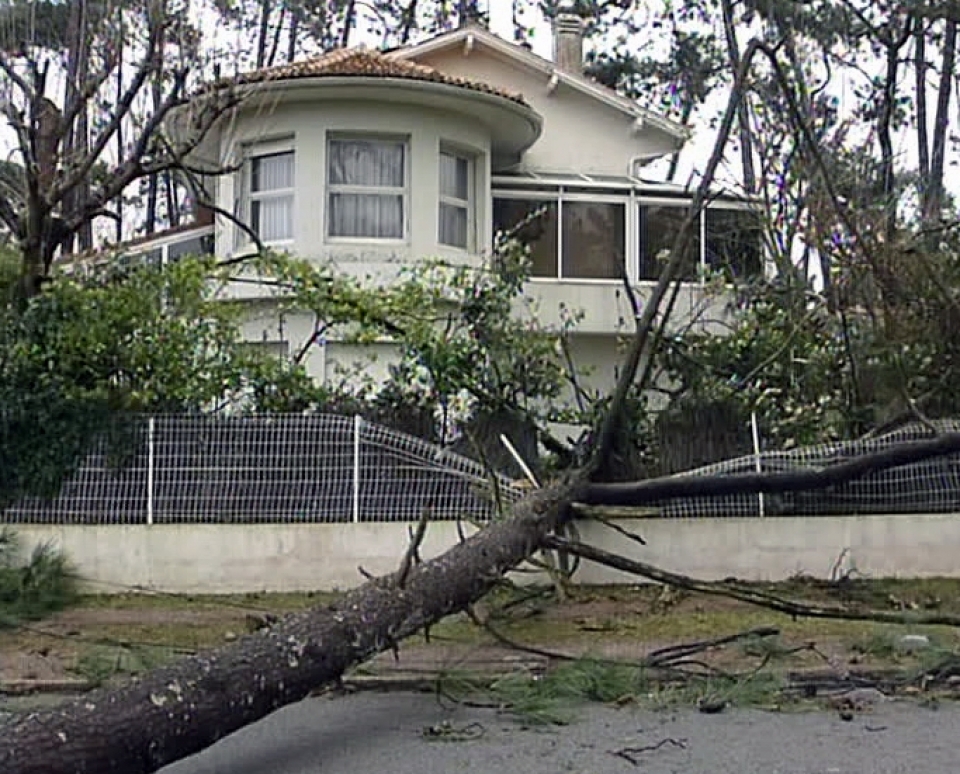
{"x":182,"y":708}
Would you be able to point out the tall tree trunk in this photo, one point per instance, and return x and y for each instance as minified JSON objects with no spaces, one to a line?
{"x":933,"y":205}
{"x":349,"y":17}
{"x":408,"y":22}
{"x":173,"y":199}
{"x":153,"y":182}
{"x":293,"y":35}
{"x":923,"y":137}
{"x":743,"y":112}
{"x":76,"y":142}
{"x":685,"y":112}
{"x":277,"y":32}
{"x":118,"y":233}
{"x":262,"y":32}
{"x":892,"y":43}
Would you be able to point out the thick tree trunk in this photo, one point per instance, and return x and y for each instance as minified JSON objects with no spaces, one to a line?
{"x":187,"y":706}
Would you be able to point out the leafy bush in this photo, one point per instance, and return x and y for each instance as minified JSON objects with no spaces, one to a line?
{"x":45,"y":584}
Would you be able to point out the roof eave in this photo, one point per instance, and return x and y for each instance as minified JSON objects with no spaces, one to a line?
{"x":449,"y":39}
{"x":520,"y":111}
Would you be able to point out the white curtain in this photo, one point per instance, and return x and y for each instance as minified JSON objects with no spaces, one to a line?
{"x":376,"y":165}
{"x":271,"y":196}
{"x":453,"y":225}
{"x":454,"y":176}
{"x":454,"y":213}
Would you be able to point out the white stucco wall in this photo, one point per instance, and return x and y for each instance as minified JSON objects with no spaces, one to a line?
{"x":230,"y":558}
{"x":580,"y":134}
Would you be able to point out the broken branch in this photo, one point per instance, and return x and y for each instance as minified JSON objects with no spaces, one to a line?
{"x":744,"y":593}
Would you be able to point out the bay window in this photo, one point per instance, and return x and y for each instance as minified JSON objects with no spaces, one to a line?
{"x":456,"y":205}
{"x":367,"y":188}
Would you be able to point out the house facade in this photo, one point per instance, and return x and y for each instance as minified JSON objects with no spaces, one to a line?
{"x":375,"y":160}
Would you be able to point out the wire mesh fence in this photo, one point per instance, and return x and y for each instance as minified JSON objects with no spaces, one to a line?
{"x":269,"y":468}
{"x":928,"y":486}
{"x":333,"y":468}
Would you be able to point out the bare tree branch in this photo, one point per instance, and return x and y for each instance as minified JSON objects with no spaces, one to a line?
{"x":742,"y":593}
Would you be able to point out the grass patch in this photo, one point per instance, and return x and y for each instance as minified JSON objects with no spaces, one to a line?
{"x":43,"y":585}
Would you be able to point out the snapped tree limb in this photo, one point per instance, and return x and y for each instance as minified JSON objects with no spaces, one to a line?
{"x":744,"y":593}
{"x":668,"y":487}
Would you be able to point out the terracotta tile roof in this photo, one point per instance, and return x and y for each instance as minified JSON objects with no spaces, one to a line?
{"x":348,"y":62}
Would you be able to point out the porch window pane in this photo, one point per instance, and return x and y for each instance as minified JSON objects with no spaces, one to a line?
{"x":659,"y":226}
{"x":734,"y":242}
{"x":594,"y":240}
{"x":539,"y":233}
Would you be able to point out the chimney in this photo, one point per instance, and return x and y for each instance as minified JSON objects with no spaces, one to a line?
{"x":568,"y":42}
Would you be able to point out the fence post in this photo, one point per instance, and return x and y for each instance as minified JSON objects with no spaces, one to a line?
{"x":357,"y":421}
{"x":150,"y":467}
{"x":758,"y":462}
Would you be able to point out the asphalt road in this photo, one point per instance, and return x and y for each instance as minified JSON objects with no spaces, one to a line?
{"x":385,"y":733}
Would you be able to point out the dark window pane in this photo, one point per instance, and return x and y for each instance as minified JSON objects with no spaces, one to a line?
{"x":540,"y":232}
{"x":659,"y":226}
{"x":734,"y":242}
{"x":594,"y":240}
{"x":195,"y":246}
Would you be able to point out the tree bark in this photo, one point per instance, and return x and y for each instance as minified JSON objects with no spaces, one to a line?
{"x":187,"y":706}
{"x":923,"y":137}
{"x":743,"y":110}
{"x":933,"y":185}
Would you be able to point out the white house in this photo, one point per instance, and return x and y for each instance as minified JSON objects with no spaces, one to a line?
{"x":376,"y":159}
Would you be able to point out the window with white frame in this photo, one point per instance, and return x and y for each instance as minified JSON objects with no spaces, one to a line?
{"x":269,"y":189}
{"x":455,"y":214}
{"x":569,"y":237}
{"x":727,"y":239}
{"x":367,"y":188}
